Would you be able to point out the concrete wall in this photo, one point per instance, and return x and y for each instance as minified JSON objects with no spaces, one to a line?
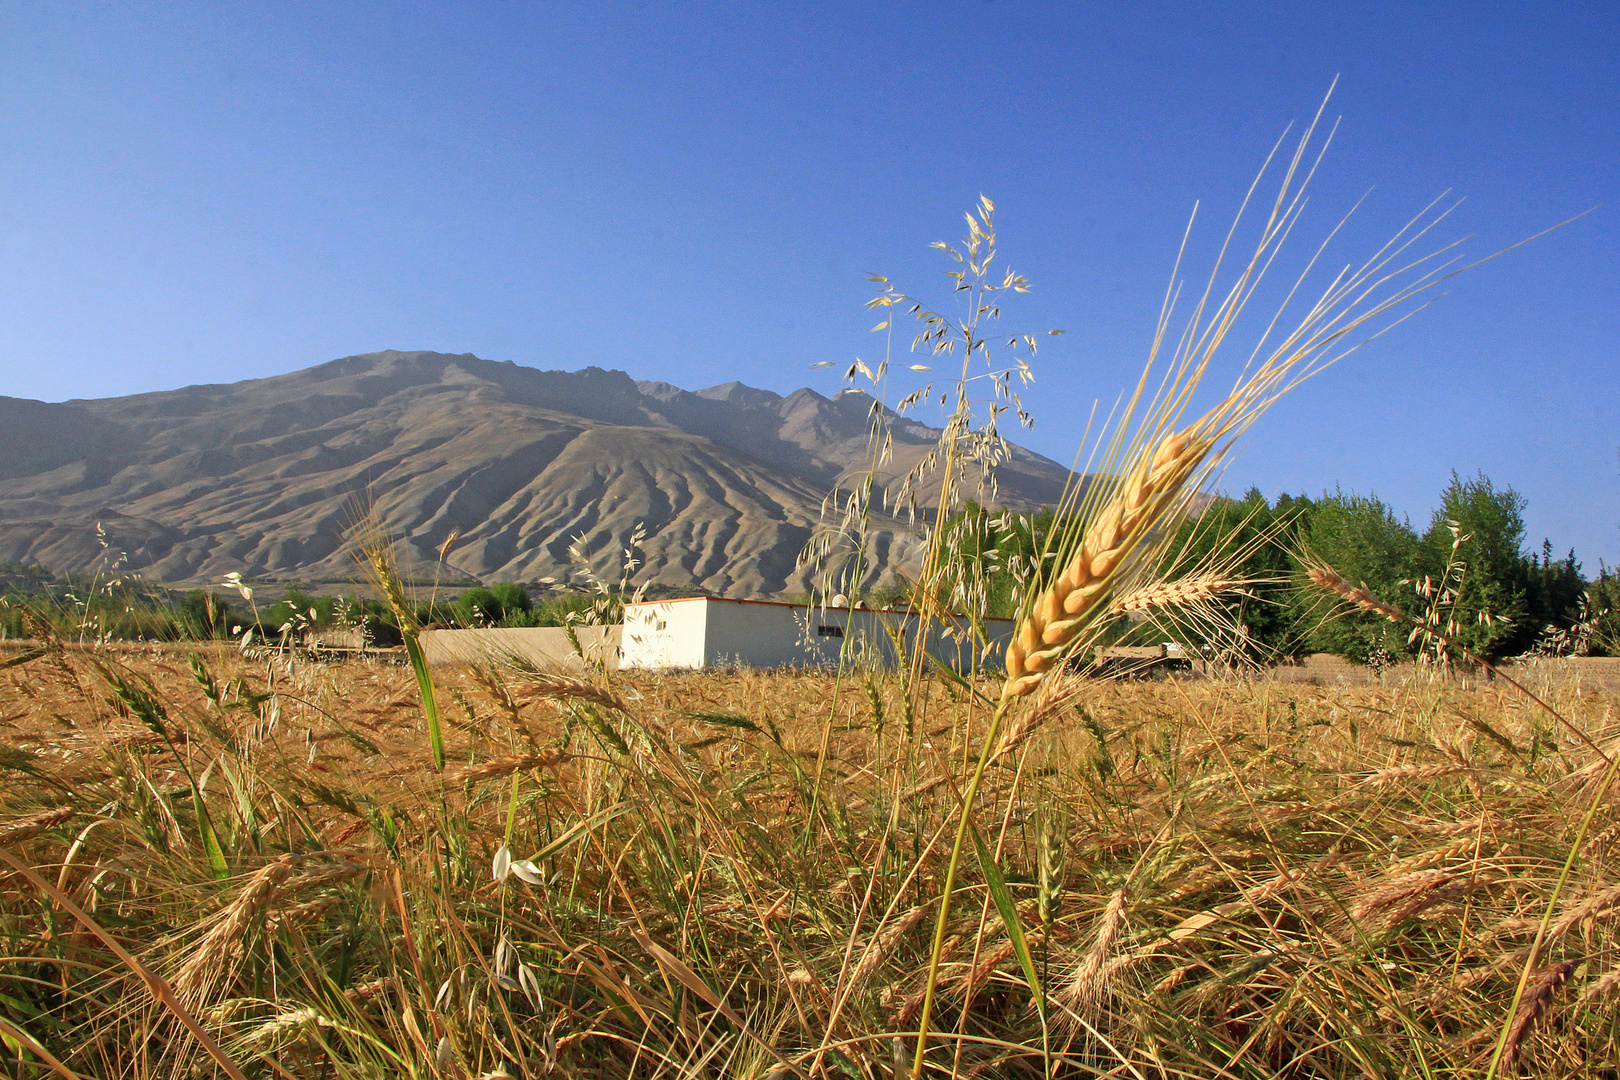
{"x":545,"y":647}
{"x":771,"y":635}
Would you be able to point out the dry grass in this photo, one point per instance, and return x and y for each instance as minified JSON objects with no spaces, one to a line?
{"x":1245,"y":878}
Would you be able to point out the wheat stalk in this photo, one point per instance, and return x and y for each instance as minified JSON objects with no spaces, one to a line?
{"x":1534,"y":1007}
{"x":1049,"y":867}
{"x":1604,"y":838}
{"x":1086,"y":986}
{"x":540,"y":686}
{"x":1325,"y":577}
{"x":1408,"y":774}
{"x":883,"y":945}
{"x":1401,"y":898}
{"x":375,"y":551}
{"x":1587,"y":910}
{"x":25,"y":827}
{"x":1603,"y":986}
{"x":1164,"y":461}
{"x":497,"y":768}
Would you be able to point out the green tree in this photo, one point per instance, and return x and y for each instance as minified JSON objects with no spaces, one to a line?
{"x":478,"y":607}
{"x":301,"y":610}
{"x":1365,"y":542}
{"x":513,"y":600}
{"x":503,"y":604}
{"x":204,"y":615}
{"x":1255,"y":540}
{"x":1603,"y":610}
{"x":1492,"y":612}
{"x":1556,"y":591}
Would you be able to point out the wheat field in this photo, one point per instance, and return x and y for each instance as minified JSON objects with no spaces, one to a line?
{"x":222,"y":865}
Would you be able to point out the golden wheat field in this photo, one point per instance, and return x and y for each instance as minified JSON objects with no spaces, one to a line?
{"x":219,"y":865}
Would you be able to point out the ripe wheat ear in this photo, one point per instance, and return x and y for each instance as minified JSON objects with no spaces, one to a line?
{"x":1073,"y":599}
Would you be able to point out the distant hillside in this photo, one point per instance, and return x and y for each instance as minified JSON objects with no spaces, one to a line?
{"x":262,"y":476}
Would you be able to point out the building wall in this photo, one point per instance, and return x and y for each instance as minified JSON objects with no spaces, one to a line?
{"x":712,"y":633}
{"x":772,"y":635}
{"x":954,"y":645}
{"x":664,"y":634}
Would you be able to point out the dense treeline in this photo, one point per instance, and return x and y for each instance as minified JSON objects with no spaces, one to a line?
{"x":1468,"y":571}
{"x":125,"y":608}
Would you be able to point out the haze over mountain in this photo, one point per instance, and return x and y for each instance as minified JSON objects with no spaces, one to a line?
{"x":263,"y":477}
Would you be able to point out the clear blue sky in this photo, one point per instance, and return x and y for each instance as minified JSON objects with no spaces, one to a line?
{"x":694,"y":192}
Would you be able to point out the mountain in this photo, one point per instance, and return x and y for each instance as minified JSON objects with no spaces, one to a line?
{"x":264,"y":476}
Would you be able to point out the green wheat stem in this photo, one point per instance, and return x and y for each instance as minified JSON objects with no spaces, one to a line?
{"x":964,"y":819}
{"x":430,"y":701}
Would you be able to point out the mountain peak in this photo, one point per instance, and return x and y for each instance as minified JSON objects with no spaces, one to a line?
{"x":740,"y":394}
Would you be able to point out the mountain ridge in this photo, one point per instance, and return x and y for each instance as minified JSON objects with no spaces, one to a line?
{"x":263,"y":476}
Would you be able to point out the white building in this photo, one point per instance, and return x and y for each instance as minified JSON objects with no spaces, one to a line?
{"x":706,"y":632}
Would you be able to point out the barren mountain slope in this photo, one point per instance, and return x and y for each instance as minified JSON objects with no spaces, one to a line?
{"x":263,"y":476}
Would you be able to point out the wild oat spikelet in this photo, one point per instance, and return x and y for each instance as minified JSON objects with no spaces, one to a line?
{"x":1111,"y":538}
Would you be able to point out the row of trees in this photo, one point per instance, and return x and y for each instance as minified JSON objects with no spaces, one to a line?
{"x":1468,"y":571}
{"x":128,"y":609}
{"x":81,"y":607}
{"x":509,"y":604}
